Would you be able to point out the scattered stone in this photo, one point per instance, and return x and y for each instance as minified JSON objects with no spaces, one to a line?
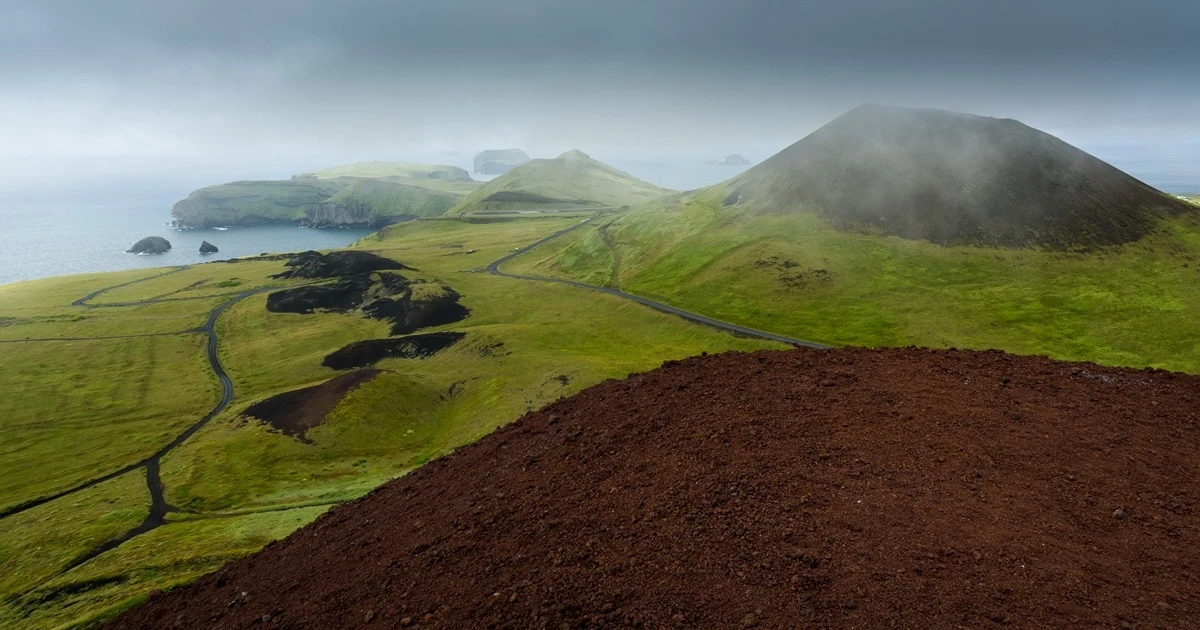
{"x":1119,"y":514}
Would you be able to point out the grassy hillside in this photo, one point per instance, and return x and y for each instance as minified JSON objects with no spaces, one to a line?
{"x":368,"y":193}
{"x":953,"y":179}
{"x":797,"y":274}
{"x":572,"y":180}
{"x":82,"y":408}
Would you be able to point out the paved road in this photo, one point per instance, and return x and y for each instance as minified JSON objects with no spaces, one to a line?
{"x":494,"y":268}
{"x":159,"y":506}
{"x":158,"y":501}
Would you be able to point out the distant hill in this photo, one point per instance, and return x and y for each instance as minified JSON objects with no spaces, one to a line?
{"x":954,"y":178}
{"x":391,"y":169}
{"x":730,"y":160}
{"x":573,"y":179}
{"x":499,"y":161}
{"x":369,"y":194}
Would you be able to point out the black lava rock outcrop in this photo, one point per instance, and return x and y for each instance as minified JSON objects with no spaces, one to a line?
{"x":371,"y":351}
{"x":342,"y":296}
{"x":208,"y":248}
{"x":338,"y":264}
{"x":955,"y":179}
{"x":150,"y":245}
{"x":384,"y":295}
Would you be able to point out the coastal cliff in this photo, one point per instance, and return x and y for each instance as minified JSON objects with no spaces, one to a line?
{"x":371,"y":195}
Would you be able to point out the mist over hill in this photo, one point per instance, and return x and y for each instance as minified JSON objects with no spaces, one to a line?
{"x":953,"y":178}
{"x":571,"y":180}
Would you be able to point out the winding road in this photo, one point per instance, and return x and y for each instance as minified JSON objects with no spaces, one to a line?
{"x":159,"y":507}
{"x":494,"y":269}
{"x":158,"y":503}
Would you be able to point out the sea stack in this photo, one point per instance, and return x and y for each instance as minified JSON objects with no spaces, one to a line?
{"x":499,"y":161}
{"x":150,"y":245}
{"x":207,"y":248}
{"x":730,"y":160}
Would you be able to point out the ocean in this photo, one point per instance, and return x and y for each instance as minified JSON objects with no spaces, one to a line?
{"x":38,"y":240}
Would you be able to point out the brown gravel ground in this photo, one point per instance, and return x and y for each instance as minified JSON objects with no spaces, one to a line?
{"x":839,"y":489}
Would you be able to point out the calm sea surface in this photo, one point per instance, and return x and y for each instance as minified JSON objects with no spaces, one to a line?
{"x":40,"y":240}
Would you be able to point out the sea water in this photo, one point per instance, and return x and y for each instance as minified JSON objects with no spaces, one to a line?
{"x":43,"y":239}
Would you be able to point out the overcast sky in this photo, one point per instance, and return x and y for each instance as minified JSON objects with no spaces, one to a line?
{"x":274,"y":85}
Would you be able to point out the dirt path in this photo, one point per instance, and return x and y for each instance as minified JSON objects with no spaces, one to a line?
{"x":610,"y":242}
{"x":191,"y":331}
{"x":83,"y":301}
{"x":494,"y":268}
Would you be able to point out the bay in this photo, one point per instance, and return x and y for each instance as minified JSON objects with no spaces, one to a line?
{"x":39,"y":240}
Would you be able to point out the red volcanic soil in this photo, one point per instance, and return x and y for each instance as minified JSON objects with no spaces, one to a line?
{"x":843,"y":488}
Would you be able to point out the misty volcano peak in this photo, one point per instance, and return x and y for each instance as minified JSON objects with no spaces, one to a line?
{"x":955,"y":178}
{"x":574,"y":154}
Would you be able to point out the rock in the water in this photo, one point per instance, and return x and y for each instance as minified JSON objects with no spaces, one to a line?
{"x":499,"y":161}
{"x":208,"y":248}
{"x":150,"y":245}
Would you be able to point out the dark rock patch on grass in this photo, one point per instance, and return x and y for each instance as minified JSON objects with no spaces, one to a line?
{"x":409,"y":314}
{"x":371,"y":351}
{"x":391,"y":297}
{"x":294,"y":413}
{"x":337,"y":264}
{"x":342,"y":296}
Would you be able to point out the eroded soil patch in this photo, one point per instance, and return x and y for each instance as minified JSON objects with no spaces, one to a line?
{"x":294,"y":413}
{"x":371,"y":351}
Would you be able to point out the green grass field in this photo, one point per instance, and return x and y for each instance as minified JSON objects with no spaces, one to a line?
{"x":796,"y":275}
{"x":78,"y":409}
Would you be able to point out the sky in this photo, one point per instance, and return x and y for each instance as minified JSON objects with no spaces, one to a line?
{"x":258,"y":88}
